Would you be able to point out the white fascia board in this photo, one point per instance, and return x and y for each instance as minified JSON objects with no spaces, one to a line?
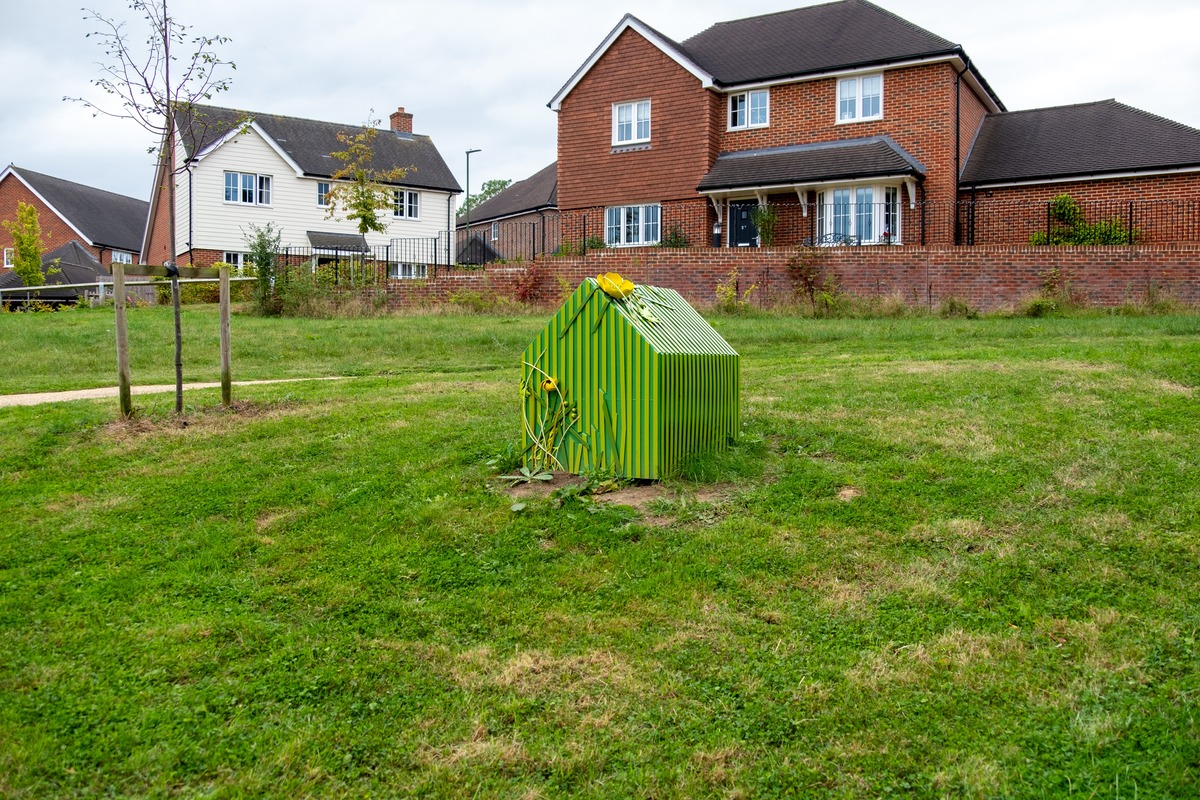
{"x":954,"y":60}
{"x":251,"y":126}
{"x":1097,"y":176}
{"x":630,"y":22}
{"x":751,"y":191}
{"x":10,"y":170}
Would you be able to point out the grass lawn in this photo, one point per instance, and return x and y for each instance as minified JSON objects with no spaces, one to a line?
{"x":947,"y":559}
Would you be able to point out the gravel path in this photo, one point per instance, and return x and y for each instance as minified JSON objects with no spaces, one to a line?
{"x":106,"y":392}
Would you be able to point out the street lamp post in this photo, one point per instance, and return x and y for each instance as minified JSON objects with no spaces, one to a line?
{"x":467,"y":203}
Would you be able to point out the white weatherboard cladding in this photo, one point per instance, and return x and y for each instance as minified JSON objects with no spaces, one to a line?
{"x":217,"y":225}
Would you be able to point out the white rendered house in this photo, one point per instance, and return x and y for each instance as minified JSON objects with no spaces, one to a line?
{"x":245,"y":169}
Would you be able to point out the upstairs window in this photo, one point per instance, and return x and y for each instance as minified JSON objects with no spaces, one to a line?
{"x":248,"y":188}
{"x":9,"y":256}
{"x":406,"y":204}
{"x":860,"y":98}
{"x":749,"y":109}
{"x":631,"y":122}
{"x":323,"y":193}
{"x":626,"y":225}
{"x":121,"y":257}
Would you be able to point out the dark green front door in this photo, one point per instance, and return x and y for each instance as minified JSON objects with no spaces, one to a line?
{"x":743,"y":233}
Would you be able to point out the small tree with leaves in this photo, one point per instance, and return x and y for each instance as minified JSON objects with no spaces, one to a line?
{"x":361,"y":189}
{"x":26,"y":233}
{"x":489,"y":190}
{"x":264,"y":245}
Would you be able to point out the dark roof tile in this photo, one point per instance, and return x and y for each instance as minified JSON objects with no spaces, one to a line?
{"x":1077,"y":140}
{"x":808,"y":40}
{"x":75,"y":265}
{"x":107,"y":219}
{"x":349,"y":242}
{"x":310,"y":143}
{"x":537,"y":192}
{"x":849,"y":159}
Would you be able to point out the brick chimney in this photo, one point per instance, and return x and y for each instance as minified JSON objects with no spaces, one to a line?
{"x":401,"y":122}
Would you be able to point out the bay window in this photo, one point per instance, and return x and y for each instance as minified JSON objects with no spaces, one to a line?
{"x":859,"y":215}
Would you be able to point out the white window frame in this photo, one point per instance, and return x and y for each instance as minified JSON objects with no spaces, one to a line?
{"x":406,"y":204}
{"x":842,"y":222}
{"x":635,"y":122}
{"x":747,"y":109}
{"x":10,"y":257}
{"x":495,"y":231}
{"x":259,"y":186}
{"x":854,"y":84}
{"x":400,"y":271}
{"x":235,"y":260}
{"x":633,"y":226}
{"x":122,"y":257}
{"x":323,"y":188}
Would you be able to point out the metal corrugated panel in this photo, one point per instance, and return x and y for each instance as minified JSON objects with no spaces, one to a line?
{"x":647,"y":394}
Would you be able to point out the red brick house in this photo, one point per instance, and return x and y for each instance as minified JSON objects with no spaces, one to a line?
{"x":520,"y":222}
{"x":108,"y":226}
{"x":849,"y":123}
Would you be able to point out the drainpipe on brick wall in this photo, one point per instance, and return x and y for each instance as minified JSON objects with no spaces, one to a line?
{"x":958,"y":145}
{"x":451,"y":231}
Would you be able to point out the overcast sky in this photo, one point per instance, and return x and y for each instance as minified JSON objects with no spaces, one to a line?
{"x":478,"y":74}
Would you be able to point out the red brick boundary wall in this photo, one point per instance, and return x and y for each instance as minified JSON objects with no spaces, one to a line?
{"x":988,"y":278}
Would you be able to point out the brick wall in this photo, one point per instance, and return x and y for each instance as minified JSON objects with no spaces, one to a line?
{"x":918,"y":113}
{"x":1164,"y":208}
{"x":678,"y":156}
{"x":158,"y":249}
{"x":988,"y":278}
{"x":1180,"y":186}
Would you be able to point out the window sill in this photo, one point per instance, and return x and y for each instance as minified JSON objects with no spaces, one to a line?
{"x":630,"y":148}
{"x":863,"y":119}
{"x":748,"y":128}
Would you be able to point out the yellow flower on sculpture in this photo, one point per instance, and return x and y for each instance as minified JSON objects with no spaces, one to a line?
{"x":615,"y":286}
{"x":549,"y":385}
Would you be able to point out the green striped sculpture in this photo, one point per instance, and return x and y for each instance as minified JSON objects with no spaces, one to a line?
{"x":629,"y":380}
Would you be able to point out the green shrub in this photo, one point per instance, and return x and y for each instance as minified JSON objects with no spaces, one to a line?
{"x":953,"y":308}
{"x":1069,"y":227}
{"x":675,"y":237}
{"x":765,"y":218}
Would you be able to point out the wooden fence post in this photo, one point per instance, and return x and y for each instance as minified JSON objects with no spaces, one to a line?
{"x":226,"y":366}
{"x":122,"y":340}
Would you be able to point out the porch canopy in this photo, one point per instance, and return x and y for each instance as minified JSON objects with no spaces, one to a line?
{"x":804,"y":167}
{"x":338,"y":242}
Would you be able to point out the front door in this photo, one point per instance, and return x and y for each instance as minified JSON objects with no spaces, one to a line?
{"x":743,"y":233}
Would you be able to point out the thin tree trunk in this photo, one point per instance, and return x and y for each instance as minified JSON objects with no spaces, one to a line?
{"x":178,"y":347}
{"x":169,"y":171}
{"x":226,"y":365}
